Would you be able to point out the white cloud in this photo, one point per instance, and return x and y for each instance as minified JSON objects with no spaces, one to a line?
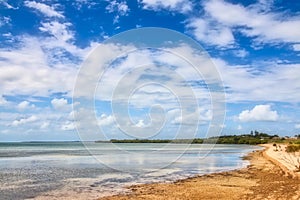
{"x":7,"y":5}
{"x":58,"y":30}
{"x":297,"y":126}
{"x":174,"y":5}
{"x":274,"y":75}
{"x":27,"y":70}
{"x":49,"y":11}
{"x":199,"y":117}
{"x":296,"y":47}
{"x":42,"y":65}
{"x":211,"y":33}
{"x":140,"y":124}
{"x":60,"y":104}
{"x":25,"y":105}
{"x":6,"y":118}
{"x":259,"y":113}
{"x":222,"y":18}
{"x":105,"y":120}
{"x":22,"y":121}
{"x":167,"y":80}
{"x":153,"y":85}
{"x":4,"y":21}
{"x":3,"y":101}
{"x":88,"y":77}
{"x":121,"y":8}
{"x":241,"y":53}
{"x":269,"y":26}
{"x":116,"y":19}
{"x":85,"y":119}
{"x":61,"y":41}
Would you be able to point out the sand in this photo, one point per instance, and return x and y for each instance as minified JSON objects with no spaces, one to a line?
{"x":269,"y":176}
{"x":289,"y":162}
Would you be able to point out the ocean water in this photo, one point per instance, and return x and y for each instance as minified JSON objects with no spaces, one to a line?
{"x":72,"y":170}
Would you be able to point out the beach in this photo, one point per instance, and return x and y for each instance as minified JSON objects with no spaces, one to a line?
{"x":269,"y":176}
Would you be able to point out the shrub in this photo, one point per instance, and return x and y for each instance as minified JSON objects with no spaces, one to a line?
{"x":293,"y":148}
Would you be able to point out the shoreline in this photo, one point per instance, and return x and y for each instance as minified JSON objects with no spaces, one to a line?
{"x":266,"y":177}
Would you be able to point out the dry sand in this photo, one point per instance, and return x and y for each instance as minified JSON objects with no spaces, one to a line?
{"x":289,"y":162}
{"x":267,"y":177}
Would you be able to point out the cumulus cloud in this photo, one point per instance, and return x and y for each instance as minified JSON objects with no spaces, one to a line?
{"x":256,"y":20}
{"x":22,"y":121}
{"x":27,"y":71}
{"x":140,"y":123}
{"x":161,"y":82}
{"x":60,"y":104}
{"x":105,"y":120}
{"x":259,"y":113}
{"x":25,"y":105}
{"x":275,"y":75}
{"x":48,"y":11}
{"x":37,"y":66}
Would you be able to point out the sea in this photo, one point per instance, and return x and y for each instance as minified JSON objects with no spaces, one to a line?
{"x":89,"y":170}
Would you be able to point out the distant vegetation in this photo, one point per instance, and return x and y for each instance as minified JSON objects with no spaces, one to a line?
{"x":253,"y":138}
{"x":182,"y":141}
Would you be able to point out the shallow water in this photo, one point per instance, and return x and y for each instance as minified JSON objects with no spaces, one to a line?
{"x":65,"y":170}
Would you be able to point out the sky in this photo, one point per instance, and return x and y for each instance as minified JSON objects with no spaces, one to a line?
{"x":55,"y":83}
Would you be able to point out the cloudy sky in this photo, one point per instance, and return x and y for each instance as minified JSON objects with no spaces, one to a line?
{"x":253,"y":45}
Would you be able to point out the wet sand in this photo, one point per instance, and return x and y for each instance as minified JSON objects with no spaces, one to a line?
{"x":265,"y":178}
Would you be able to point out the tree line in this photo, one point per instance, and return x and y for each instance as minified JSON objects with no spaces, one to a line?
{"x":253,"y":138}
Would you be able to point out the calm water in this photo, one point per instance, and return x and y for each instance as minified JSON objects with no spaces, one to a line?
{"x":62,"y":170}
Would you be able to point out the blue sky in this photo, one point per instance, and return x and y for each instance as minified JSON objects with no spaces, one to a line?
{"x":254,"y":46}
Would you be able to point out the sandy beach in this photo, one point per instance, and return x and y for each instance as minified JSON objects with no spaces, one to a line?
{"x":270,"y":175}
